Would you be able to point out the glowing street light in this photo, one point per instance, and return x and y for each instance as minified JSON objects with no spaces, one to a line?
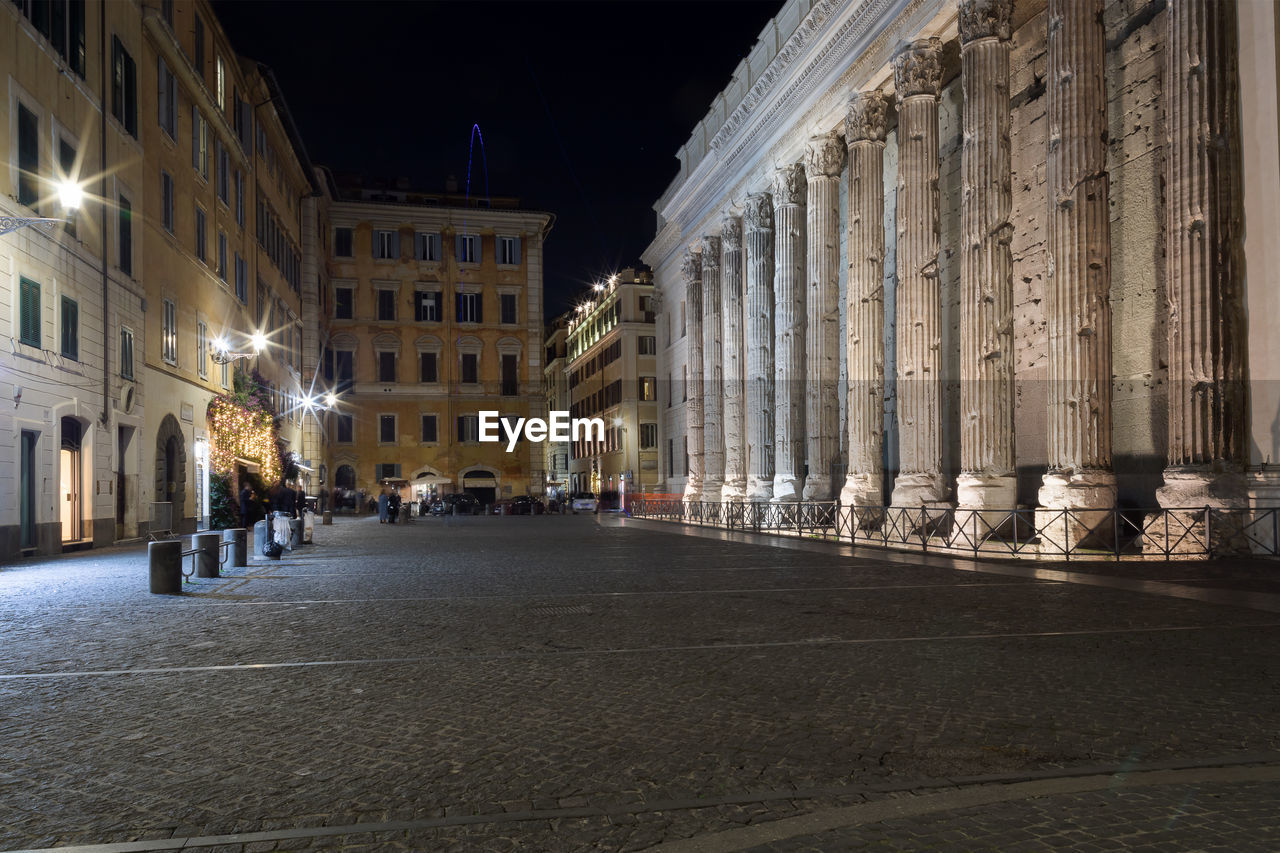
{"x":221,"y":352}
{"x":69,"y":194}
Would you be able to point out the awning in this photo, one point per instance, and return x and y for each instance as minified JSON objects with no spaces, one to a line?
{"x":428,"y":476}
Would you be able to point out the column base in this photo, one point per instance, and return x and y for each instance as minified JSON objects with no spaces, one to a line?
{"x":1186,"y":529}
{"x":787,"y":489}
{"x":692,"y":493}
{"x":918,"y":489}
{"x":759,"y":490}
{"x":863,"y":494}
{"x":711,"y":490}
{"x":818,"y":488}
{"x":1075,"y":510}
{"x":733,"y":490}
{"x":984,"y":507}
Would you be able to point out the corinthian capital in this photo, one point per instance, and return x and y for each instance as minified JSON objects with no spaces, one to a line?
{"x":981,"y":19}
{"x":824,"y":156}
{"x":691,"y":266}
{"x":917,"y":68}
{"x":867,"y":117}
{"x":759,"y":213}
{"x":731,"y":232}
{"x":789,"y":185}
{"x":710,"y":252}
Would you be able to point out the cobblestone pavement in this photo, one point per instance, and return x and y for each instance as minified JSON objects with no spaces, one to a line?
{"x":589,"y":683}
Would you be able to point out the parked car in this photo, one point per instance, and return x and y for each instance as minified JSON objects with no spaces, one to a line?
{"x":583,"y":502}
{"x":466,"y":505}
{"x":519,"y":505}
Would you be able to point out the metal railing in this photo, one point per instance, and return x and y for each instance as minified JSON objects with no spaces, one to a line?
{"x":1052,"y":534}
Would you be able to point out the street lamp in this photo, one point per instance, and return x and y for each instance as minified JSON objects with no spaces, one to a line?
{"x":221,"y":352}
{"x":69,"y":194}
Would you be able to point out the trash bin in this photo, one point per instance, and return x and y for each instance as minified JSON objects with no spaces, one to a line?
{"x":295,"y":533}
{"x":237,"y":536}
{"x":404,"y":512}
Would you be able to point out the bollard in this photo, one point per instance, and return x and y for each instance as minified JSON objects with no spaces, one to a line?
{"x":238,"y":537}
{"x":165,"y":559}
{"x":326,"y":517}
{"x":261,"y":533}
{"x":206,"y":547}
{"x":295,"y":533}
{"x":404,"y":513}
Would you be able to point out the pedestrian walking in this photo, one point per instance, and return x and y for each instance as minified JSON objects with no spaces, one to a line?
{"x":286,"y":500}
{"x":301,"y":505}
{"x":324,"y":499}
{"x":384,"y":502}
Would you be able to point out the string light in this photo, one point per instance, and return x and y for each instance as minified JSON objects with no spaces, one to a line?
{"x":240,"y":431}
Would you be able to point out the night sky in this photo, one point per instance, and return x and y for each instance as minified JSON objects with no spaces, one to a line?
{"x":581,"y":105}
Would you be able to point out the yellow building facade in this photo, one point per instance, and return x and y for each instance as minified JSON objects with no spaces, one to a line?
{"x":433,"y":317}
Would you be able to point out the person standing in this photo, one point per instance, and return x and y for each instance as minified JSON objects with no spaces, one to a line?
{"x":246,"y":500}
{"x":383,"y":503}
{"x":324,"y":499}
{"x":301,"y":506}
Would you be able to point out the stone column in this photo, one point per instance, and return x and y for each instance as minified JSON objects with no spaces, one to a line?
{"x":988,"y":478}
{"x":1207,"y":344}
{"x":1078,"y":278}
{"x":789,"y":187}
{"x":917,"y":72}
{"x":758,"y":221}
{"x":713,"y":367}
{"x":823,"y":162}
{"x":864,"y":133}
{"x":691,"y":271}
{"x":734,"y":374}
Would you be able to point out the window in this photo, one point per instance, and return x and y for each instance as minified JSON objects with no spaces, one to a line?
{"x":386,"y":304}
{"x":428,"y":367}
{"x":468,"y":427}
{"x":70,"y":329}
{"x":166,"y":200}
{"x":224,"y":173}
{"x":387,"y":470}
{"x":244,"y":123}
{"x":671,"y":457}
{"x":344,"y":427}
{"x":343,"y":303}
{"x":509,"y":250}
{"x":386,"y":367}
{"x":342,"y":243}
{"x":386,"y":244}
{"x":429,"y":435}
{"x":62,"y":23}
{"x":648,"y":388}
{"x":201,"y":247}
{"x":648,"y":345}
{"x":167,"y":100}
{"x":199,"y":51}
{"x":426,"y":247}
{"x":242,"y":280}
{"x":126,"y":353}
{"x":199,"y":142}
{"x":67,"y":164}
{"x":468,"y":249}
{"x":202,"y":349}
{"x":124,"y":88}
{"x":28,"y":157}
{"x":469,"y":308}
{"x":29,"y":312}
{"x":386,"y":429}
{"x":507,"y":304}
{"x":125,"y":220}
{"x":470,"y":368}
{"x":684,"y":383}
{"x":648,"y":436}
{"x":239,"y":198}
{"x":510,"y":375}
{"x":220,"y":83}
{"x":427,"y":306}
{"x":169,"y":343}
{"x":222,"y":256}
{"x":344,"y":369}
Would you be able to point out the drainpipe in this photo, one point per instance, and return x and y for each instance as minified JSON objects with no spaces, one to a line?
{"x":102,"y":231}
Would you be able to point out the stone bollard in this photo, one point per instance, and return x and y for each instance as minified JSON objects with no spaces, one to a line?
{"x":238,"y":537}
{"x":295,"y":533}
{"x":261,"y":533}
{"x":165,"y":559}
{"x":326,"y":517}
{"x":206,"y":547}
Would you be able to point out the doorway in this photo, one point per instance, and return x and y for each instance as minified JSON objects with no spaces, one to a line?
{"x":69,"y":479}
{"x":27,"y":489}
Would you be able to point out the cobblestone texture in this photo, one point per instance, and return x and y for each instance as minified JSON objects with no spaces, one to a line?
{"x":416,"y":673}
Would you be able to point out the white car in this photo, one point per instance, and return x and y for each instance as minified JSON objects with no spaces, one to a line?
{"x":583,"y":502}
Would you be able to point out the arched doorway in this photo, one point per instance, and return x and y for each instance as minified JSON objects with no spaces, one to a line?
{"x":482,"y":483}
{"x":344,"y":487}
{"x":171,"y":467}
{"x":70,"y":476}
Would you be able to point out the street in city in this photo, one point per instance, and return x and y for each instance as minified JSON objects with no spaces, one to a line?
{"x":559,"y":683}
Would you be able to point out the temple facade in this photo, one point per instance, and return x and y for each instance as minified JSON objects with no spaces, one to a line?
{"x":981,"y":255}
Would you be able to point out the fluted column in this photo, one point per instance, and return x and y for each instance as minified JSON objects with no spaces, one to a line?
{"x":987,"y":473}
{"x":918,"y":77}
{"x":735,"y":434}
{"x":823,"y":162}
{"x":1207,"y":427}
{"x":713,"y":368}
{"x":1078,"y":275}
{"x":691,"y":272}
{"x":864,"y":133}
{"x":790,"y":320}
{"x":758,"y":222}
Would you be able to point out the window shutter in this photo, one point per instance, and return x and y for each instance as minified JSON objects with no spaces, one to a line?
{"x":457,"y":248}
{"x":419,"y":243}
{"x":195,"y":137}
{"x":434,"y":240}
{"x":395,"y":244}
{"x":517,"y":255}
{"x":477,"y":242}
